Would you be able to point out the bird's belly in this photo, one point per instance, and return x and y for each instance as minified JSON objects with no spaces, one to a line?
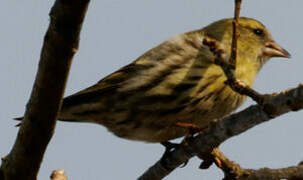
{"x":200,"y":112}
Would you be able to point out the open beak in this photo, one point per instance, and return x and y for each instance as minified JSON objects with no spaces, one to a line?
{"x":272,"y":49}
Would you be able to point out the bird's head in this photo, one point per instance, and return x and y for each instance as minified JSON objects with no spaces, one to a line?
{"x":254,"y":44}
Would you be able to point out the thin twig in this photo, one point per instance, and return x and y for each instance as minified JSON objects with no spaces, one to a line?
{"x":232,"y":81}
{"x":229,"y":67}
{"x":236,"y":34}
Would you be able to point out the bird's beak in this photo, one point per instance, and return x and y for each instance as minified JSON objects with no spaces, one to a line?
{"x":272,"y":49}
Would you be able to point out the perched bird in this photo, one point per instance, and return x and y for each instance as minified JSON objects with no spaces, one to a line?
{"x":177,"y":81}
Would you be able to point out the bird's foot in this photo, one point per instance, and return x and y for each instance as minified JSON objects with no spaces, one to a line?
{"x":169,"y":147}
{"x":192,"y":129}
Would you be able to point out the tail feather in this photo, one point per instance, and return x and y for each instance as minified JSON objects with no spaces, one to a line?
{"x":19,"y":118}
{"x":60,"y":119}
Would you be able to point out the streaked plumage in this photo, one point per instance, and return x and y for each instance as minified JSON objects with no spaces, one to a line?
{"x":176,"y":81}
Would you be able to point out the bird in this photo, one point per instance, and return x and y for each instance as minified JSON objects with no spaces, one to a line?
{"x":174,"y":82}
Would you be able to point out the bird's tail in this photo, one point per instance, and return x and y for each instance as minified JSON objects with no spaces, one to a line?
{"x":18,"y":119}
{"x":59,"y":118}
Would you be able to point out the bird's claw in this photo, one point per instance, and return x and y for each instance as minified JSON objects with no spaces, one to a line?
{"x":192,"y":128}
{"x":169,"y":147}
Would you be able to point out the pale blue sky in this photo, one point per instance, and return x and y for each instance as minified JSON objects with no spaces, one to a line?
{"x":115,"y":32}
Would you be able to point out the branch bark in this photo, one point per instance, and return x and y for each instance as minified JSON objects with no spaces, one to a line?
{"x":60,"y":44}
{"x":234,"y":43}
{"x":233,"y":170}
{"x":221,"y":130}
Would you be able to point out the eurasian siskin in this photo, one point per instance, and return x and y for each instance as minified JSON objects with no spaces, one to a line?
{"x":176,"y":81}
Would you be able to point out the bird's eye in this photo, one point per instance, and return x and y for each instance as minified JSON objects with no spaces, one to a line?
{"x":258,"y":32}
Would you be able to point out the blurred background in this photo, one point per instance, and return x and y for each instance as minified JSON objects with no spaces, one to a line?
{"x":115,"y":33}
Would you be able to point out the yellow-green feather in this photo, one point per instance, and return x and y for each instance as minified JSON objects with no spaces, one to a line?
{"x":176,"y":81}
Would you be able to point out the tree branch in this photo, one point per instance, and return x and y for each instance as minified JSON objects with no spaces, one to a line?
{"x":221,"y":130}
{"x":60,"y":44}
{"x":233,"y":170}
